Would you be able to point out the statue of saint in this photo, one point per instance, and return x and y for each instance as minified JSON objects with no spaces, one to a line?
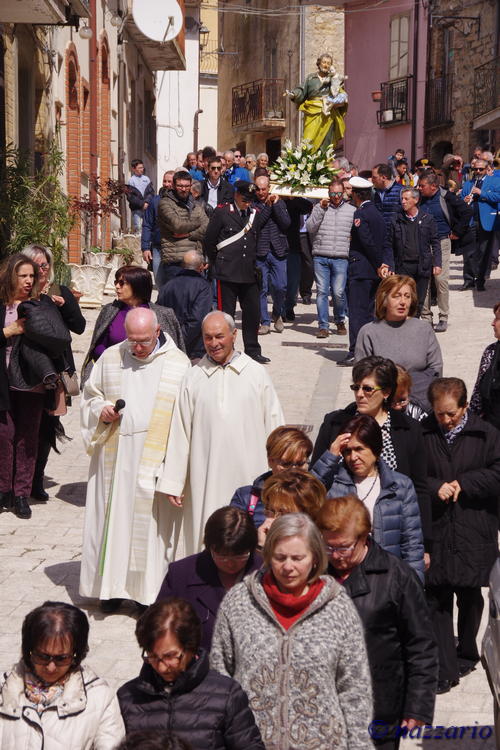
{"x":323,"y":100}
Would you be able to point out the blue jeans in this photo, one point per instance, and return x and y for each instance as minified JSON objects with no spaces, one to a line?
{"x":137,"y":215}
{"x":274,"y":278}
{"x":330,"y":273}
{"x":293,"y":280}
{"x":158,"y":267}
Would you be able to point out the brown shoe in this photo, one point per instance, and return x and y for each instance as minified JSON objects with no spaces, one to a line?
{"x":341,"y":329}
{"x":322,"y":333}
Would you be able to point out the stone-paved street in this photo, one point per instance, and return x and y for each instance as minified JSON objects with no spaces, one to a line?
{"x":40,"y":558}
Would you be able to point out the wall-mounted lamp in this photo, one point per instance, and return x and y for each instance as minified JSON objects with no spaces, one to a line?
{"x":203,"y":34}
{"x":85,"y":32}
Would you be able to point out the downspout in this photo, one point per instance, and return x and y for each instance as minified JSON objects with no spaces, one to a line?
{"x":93,"y":105}
{"x":121,"y":122}
{"x":416,"y":20}
{"x":196,"y":128}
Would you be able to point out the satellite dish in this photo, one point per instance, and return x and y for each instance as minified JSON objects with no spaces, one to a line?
{"x":160,"y":20}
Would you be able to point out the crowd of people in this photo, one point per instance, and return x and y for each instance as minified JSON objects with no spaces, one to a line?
{"x":289,"y":595}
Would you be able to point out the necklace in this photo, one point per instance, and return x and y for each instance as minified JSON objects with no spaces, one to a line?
{"x":371,"y":487}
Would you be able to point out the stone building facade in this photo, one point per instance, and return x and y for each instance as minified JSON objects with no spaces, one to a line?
{"x":83,"y":73}
{"x":463,"y":91}
{"x":264,"y":52}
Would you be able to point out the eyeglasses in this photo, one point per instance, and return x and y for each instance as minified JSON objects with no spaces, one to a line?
{"x":479,"y":169}
{"x":215,"y":169}
{"x":231,"y":558}
{"x":342,"y":551}
{"x":166,"y":659}
{"x":60,"y":660}
{"x":120,"y":282}
{"x":337,"y":193}
{"x":43,"y":266}
{"x":369,"y":390}
{"x":291,"y":465}
{"x":148,"y":342}
{"x":401,"y":401}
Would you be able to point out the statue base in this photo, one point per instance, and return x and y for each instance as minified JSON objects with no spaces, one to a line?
{"x":313,"y":193}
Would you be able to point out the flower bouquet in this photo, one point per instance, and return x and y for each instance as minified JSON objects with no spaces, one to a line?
{"x":301,"y":171}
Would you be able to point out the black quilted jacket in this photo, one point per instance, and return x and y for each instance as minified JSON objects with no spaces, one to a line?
{"x":208,"y":710}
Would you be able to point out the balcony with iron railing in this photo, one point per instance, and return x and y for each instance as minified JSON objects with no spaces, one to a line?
{"x":486,"y":110}
{"x":259,"y":105}
{"x":395,"y":102}
{"x":438,"y":102}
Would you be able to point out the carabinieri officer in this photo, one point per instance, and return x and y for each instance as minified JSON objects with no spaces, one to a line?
{"x":365,"y":260}
{"x":231,"y":246}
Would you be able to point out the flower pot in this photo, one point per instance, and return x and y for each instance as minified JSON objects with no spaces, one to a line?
{"x":95,"y":259}
{"x":90,"y":281}
{"x":376,"y":96}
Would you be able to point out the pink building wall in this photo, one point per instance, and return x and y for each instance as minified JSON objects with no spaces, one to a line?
{"x":367,"y":42}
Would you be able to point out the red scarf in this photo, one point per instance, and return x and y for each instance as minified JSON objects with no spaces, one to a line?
{"x":288,"y":607}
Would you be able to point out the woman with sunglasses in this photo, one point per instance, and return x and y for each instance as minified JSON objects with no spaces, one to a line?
{"x":133,"y":286}
{"x":402,"y":653}
{"x":49,"y":699}
{"x":203,"y":579}
{"x":287,"y":448}
{"x":356,"y":469}
{"x":177,"y":691}
{"x":374,"y":385}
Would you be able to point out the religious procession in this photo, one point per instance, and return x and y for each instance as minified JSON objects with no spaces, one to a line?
{"x":249,"y":458}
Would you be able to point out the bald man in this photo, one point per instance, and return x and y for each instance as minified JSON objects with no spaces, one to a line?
{"x":126,"y":409}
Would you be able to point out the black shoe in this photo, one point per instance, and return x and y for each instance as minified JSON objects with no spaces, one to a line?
{"x":289,"y":316}
{"x":465,"y":669}
{"x":480,"y":287}
{"x":306,"y":299}
{"x":467,"y":285}
{"x":444,"y":686}
{"x":347,"y":361}
{"x":441,"y":327}
{"x":260,"y":358}
{"x":21,"y":507}
{"x":38,"y":493}
{"x":108,"y":606}
{"x":6,"y":501}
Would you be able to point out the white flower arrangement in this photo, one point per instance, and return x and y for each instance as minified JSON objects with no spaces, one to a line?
{"x":300,"y":167}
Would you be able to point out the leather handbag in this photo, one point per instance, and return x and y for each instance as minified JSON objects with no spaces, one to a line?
{"x":70,"y":383}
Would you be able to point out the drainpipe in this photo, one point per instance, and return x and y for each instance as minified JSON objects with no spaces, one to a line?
{"x":196,"y":128}
{"x":121,"y":123}
{"x":416,"y":19}
{"x":93,"y":104}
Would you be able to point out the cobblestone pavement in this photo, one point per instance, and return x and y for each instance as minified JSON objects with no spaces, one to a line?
{"x":40,"y":558}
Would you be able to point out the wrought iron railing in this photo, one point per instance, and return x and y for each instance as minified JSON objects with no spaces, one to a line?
{"x":487,"y":87}
{"x":395,"y":102}
{"x":438,"y":102}
{"x":258,"y":100}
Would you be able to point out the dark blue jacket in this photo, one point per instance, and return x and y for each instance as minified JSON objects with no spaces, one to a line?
{"x":272,"y":236}
{"x":195,"y":579}
{"x":391,"y":203}
{"x":242,"y":496}
{"x":190,"y":297}
{"x":396,"y":517}
{"x":367,"y":242}
{"x":150,"y":235}
{"x":428,"y":242}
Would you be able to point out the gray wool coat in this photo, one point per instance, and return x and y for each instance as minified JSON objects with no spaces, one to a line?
{"x":309,"y":686}
{"x":166,"y":320}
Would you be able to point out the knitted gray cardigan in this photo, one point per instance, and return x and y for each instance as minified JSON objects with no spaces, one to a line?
{"x":309,"y":687}
{"x":166,"y":320}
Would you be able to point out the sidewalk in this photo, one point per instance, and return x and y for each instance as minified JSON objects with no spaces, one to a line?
{"x":40,"y":558}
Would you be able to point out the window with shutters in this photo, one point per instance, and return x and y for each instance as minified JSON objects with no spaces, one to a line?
{"x":398,"y":57}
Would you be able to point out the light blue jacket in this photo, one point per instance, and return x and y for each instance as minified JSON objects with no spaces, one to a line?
{"x":396,"y":516}
{"x":488,"y":202}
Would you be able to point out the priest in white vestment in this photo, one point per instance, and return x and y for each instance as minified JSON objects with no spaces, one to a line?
{"x":127,"y":525}
{"x":226,"y":408}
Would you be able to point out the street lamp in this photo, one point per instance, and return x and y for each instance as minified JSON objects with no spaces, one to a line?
{"x":203,"y":35}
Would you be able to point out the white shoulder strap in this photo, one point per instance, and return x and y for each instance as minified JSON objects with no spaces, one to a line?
{"x":239,"y":235}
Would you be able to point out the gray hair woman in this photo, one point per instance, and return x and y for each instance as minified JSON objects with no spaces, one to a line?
{"x":293,"y":640}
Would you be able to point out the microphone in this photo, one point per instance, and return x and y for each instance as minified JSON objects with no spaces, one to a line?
{"x":119,"y":405}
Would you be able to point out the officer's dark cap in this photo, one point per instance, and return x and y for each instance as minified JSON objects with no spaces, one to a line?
{"x":245,"y":188}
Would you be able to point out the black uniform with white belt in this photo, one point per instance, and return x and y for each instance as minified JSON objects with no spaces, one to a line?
{"x":233,"y":265}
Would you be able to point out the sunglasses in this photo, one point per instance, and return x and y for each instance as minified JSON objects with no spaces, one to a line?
{"x":60,"y":660}
{"x":216,"y":169}
{"x":337,"y":193}
{"x":368,"y":389}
